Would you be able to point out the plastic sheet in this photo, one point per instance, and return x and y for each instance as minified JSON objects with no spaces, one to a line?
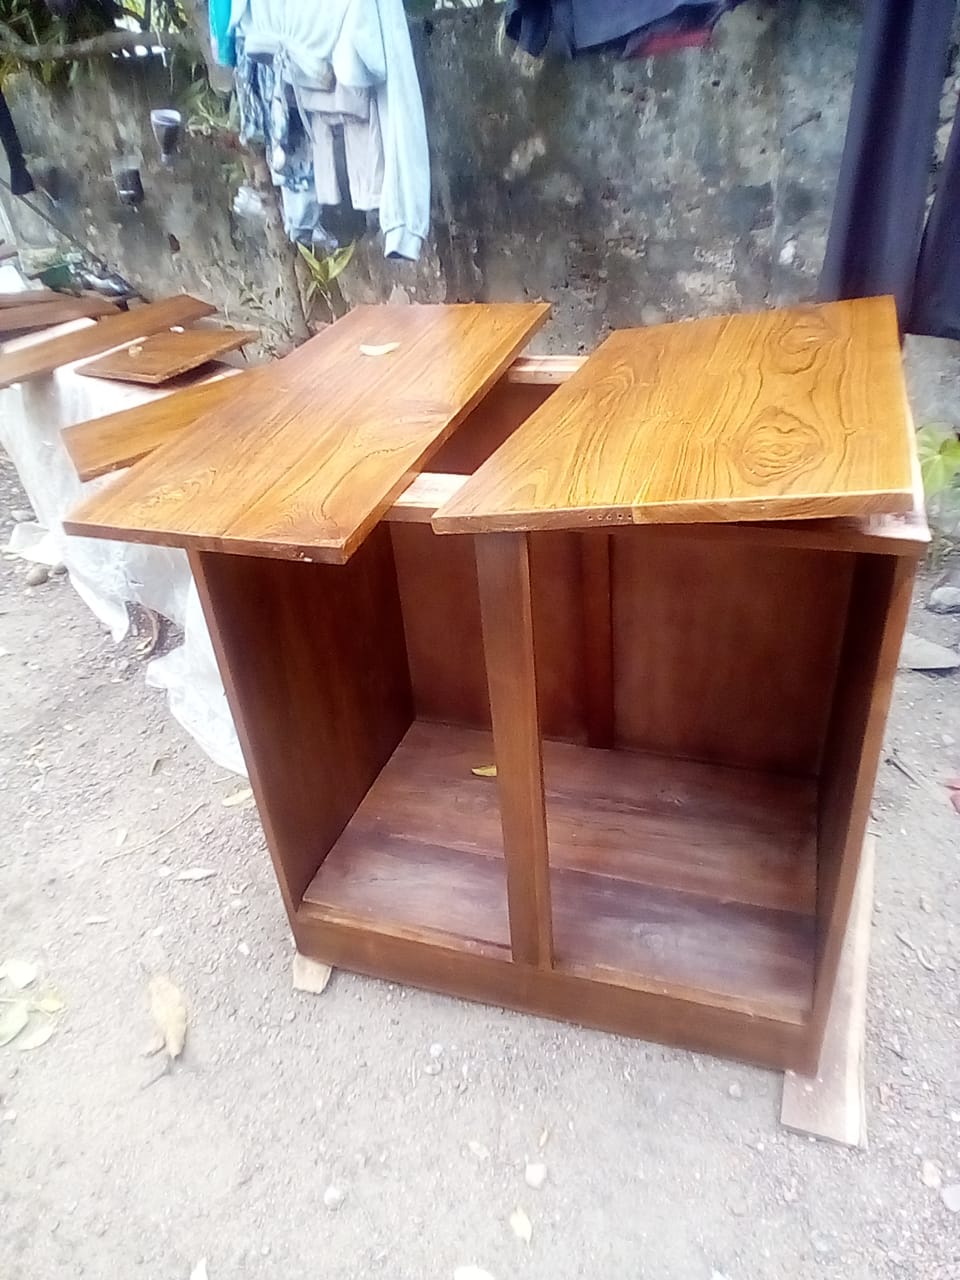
{"x":107,"y":575}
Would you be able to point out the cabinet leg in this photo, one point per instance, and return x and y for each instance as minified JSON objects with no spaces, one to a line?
{"x":503,"y":571}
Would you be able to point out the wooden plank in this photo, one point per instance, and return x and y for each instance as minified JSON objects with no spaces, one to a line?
{"x":598,"y":1001}
{"x":43,"y":357}
{"x":163,"y":356}
{"x":323,"y":442}
{"x":503,"y":575}
{"x":315,"y":673}
{"x":118,"y":440}
{"x":877,"y":616}
{"x":832,"y":1104}
{"x":59,"y":310}
{"x":687,"y":876}
{"x":597,"y":619}
{"x":798,"y":413}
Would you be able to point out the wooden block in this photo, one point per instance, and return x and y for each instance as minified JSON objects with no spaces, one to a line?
{"x":789,"y":414}
{"x":832,"y":1104}
{"x":43,"y":357}
{"x":166,"y":355}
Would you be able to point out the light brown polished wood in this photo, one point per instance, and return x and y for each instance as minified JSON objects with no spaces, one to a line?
{"x":43,"y":356}
{"x":163,"y":356}
{"x":319,"y":446}
{"x":784,"y":414}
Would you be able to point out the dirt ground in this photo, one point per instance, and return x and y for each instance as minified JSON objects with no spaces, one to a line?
{"x":660,"y":1164}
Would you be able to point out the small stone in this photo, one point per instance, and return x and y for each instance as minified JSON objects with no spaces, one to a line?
{"x":739,"y":1207}
{"x":333,"y":1198}
{"x":945,"y":598}
{"x":37,"y":575}
{"x":243,"y":948}
{"x":436,"y":1050}
{"x":925,"y":903}
{"x":535,"y":1175}
{"x":432,"y":1069}
{"x":59,"y":569}
{"x":735,"y":1090}
{"x":930,"y":1175}
{"x":948,"y":739}
{"x":918,"y":654}
{"x":951,"y":1197}
{"x":289,"y":1015}
{"x":20,"y":515}
{"x":820,"y":1243}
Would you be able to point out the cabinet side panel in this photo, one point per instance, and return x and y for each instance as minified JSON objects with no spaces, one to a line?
{"x":314,"y":665}
{"x":726,"y":653}
{"x":879,"y":604}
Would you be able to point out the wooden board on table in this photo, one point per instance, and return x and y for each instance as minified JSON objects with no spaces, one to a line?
{"x":790,"y":414}
{"x":44,"y":315}
{"x":166,"y":355}
{"x":43,"y":357}
{"x":120,"y":439}
{"x":831,"y":1104}
{"x":308,"y":460}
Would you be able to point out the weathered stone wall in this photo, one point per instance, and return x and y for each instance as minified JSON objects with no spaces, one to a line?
{"x":623,"y":192}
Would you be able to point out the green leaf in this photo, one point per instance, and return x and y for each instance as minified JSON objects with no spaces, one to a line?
{"x":340,"y":260}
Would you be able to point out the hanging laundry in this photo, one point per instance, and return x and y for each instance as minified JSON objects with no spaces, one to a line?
{"x":21,"y":183}
{"x":222,"y":41}
{"x":342,"y":64}
{"x":567,"y":27}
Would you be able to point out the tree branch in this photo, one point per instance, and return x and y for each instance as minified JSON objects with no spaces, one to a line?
{"x":117,"y":41}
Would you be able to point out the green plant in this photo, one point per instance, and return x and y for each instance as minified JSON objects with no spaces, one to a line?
{"x":323,"y":271}
{"x":939,"y":451}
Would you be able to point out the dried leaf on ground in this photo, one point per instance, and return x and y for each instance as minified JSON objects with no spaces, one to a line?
{"x":50,"y":1003}
{"x":196,"y":873}
{"x":169,"y":1011}
{"x":484,"y":771}
{"x":522,"y":1226}
{"x":199,"y":1272}
{"x":13,"y":1018}
{"x":238,"y":797}
{"x":37,"y":1033}
{"x":384,"y":349}
{"x":19,"y":973}
{"x":120,"y":836}
{"x":478,"y":1150}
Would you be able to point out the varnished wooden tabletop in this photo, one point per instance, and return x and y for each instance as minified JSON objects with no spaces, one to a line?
{"x":790,"y":414}
{"x":166,"y":355}
{"x":304,"y":460}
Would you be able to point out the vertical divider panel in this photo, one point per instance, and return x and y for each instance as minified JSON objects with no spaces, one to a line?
{"x":503,"y":571}
{"x":596,"y":550}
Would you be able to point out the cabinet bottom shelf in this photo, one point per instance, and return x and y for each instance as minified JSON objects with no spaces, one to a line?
{"x":669,"y":877}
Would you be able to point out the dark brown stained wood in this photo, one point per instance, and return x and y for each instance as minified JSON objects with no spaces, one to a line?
{"x":722,"y":860}
{"x":596,"y":608}
{"x":726,"y":653}
{"x":44,"y":356}
{"x":879,"y":605}
{"x":832,"y":1104}
{"x":163,"y":356}
{"x":506,"y":611}
{"x":501,"y":411}
{"x":321,"y":444}
{"x":798,"y":413}
{"x":119,"y":439}
{"x":605,"y":1003}
{"x":45,"y":314}
{"x":441,"y":619}
{"x":314,"y":668}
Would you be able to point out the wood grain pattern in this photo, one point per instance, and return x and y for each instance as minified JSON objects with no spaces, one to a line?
{"x":314,"y":669}
{"x":724,"y":652}
{"x":43,"y":357}
{"x":506,"y":610}
{"x":118,"y":440}
{"x":307,"y":463}
{"x":163,"y":356}
{"x":52,"y":310}
{"x":795,"y":413}
{"x":686,"y":876}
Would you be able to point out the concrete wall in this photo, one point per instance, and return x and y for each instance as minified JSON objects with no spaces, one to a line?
{"x":623,"y":192}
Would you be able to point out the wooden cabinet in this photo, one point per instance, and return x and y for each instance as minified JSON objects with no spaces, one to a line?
{"x":662,"y":590}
